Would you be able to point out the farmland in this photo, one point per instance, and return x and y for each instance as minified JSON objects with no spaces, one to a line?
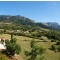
{"x":24,"y":42}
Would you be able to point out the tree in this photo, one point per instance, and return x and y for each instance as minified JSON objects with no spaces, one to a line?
{"x":11,"y":35}
{"x":35,"y":51}
{"x":12,"y":47}
{"x":41,"y":51}
{"x":32,"y":44}
{"x":53,"y":48}
{"x":4,"y":31}
{"x":58,"y":43}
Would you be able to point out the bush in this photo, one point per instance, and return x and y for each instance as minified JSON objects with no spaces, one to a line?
{"x":52,"y":40}
{"x":58,"y":43}
{"x":53,"y":47}
{"x":59,"y":48}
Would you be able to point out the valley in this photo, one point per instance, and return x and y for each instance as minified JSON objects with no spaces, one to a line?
{"x":19,"y":31}
{"x":25,"y":41}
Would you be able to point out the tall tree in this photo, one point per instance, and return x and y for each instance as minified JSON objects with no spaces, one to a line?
{"x":35,"y":51}
{"x":11,"y":35}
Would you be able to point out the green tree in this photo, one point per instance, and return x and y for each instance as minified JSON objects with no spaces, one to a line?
{"x":35,"y":51}
{"x":4,"y":31}
{"x":32,"y":44}
{"x":11,"y":35}
{"x":13,"y":47}
{"x":53,"y":48}
{"x":58,"y":43}
{"x":41,"y":52}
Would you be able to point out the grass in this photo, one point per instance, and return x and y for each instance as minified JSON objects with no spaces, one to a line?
{"x":25,"y":45}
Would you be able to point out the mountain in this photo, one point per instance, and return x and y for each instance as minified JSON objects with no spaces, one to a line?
{"x":43,"y":25}
{"x":49,"y":25}
{"x":17,"y":22}
{"x":54,"y":25}
{"x":16,"y":19}
{"x":20,"y":20}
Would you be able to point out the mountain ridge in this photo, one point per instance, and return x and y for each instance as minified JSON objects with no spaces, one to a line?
{"x":21,"y":20}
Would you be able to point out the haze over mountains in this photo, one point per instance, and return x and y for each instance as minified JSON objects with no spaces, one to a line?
{"x":26,"y":21}
{"x":52,"y":25}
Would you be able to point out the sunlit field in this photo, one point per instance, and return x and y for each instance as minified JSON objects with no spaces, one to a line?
{"x":24,"y":42}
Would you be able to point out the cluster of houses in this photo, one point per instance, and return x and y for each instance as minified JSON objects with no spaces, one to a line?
{"x":2,"y":43}
{"x":3,"y":40}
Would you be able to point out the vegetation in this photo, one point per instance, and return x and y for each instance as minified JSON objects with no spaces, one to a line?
{"x":53,"y":47}
{"x":24,"y":30}
{"x":58,"y":43}
{"x":24,"y":42}
{"x":12,"y":36}
{"x":59,"y":48}
{"x":3,"y":57}
{"x":35,"y":51}
{"x":12,"y":47}
{"x":10,"y":22}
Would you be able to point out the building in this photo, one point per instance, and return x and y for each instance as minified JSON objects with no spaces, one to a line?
{"x":2,"y":47}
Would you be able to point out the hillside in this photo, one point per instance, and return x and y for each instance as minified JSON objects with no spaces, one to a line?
{"x":16,"y":19}
{"x":49,"y":25}
{"x":9,"y":21}
{"x":25,"y":30}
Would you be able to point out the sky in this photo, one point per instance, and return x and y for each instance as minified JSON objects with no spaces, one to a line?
{"x":37,"y":11}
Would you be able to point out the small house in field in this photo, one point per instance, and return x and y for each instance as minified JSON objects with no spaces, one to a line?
{"x":2,"y":47}
{"x":26,"y":32}
{"x":2,"y":41}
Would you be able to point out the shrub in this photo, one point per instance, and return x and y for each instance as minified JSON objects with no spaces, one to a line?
{"x":52,"y":40}
{"x":58,"y":43}
{"x":59,"y":48}
{"x":53,"y":47}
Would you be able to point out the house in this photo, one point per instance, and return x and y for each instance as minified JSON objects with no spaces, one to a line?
{"x":2,"y":47}
{"x":2,"y":43}
{"x":26,"y":32}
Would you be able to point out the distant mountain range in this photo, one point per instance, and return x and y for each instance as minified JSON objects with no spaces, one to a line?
{"x":26,"y":21}
{"x":54,"y":25}
{"x":50,"y":25}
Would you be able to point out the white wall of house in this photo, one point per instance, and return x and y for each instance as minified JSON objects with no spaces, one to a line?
{"x":2,"y":47}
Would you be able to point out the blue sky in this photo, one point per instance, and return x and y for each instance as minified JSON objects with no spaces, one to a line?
{"x":38,"y":11}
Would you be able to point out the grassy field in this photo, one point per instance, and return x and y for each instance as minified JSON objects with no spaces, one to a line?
{"x":24,"y":42}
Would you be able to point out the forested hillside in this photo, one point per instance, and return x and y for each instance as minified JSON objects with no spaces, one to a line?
{"x":8,"y":21}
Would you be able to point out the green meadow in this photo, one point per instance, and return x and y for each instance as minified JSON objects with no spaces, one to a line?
{"x":24,"y":42}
